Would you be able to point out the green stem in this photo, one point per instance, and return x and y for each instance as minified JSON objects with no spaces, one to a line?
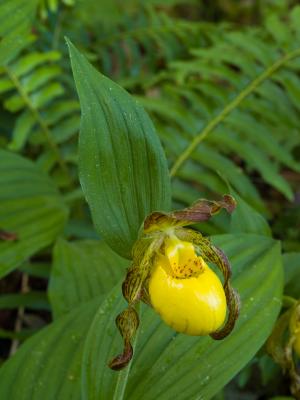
{"x":38,"y":118}
{"x":230,"y":107}
{"x":121,"y":383}
{"x":124,"y":374}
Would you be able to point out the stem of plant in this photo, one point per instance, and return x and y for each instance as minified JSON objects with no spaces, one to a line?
{"x":230,"y":107}
{"x":20,"y":314}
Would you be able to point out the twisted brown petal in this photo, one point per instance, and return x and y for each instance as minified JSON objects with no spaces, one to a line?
{"x":233,"y":304}
{"x":201,"y":210}
{"x":213,"y":254}
{"x":127,"y":323}
{"x":8,"y":236}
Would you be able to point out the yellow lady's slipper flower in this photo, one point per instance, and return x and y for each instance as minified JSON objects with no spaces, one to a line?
{"x":169,"y":272}
{"x":186,"y":293}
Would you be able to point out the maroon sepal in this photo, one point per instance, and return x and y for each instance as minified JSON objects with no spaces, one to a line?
{"x":8,"y":236}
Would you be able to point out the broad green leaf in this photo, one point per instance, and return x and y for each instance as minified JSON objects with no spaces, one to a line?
{"x":247,"y":220}
{"x":15,"y":19}
{"x":30,"y":207}
{"x":167,"y":363}
{"x":81,"y":271}
{"x":291,"y":263}
{"x":123,"y":170}
{"x":48,"y":365}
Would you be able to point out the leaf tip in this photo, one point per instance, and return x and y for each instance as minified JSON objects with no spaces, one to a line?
{"x":68,"y":41}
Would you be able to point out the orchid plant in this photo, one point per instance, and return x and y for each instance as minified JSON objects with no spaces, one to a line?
{"x":169,"y":272}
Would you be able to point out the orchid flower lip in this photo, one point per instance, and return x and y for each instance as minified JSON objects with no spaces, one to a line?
{"x":185,"y":292}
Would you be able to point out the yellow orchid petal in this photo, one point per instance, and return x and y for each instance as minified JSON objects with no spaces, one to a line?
{"x":191,"y":298}
{"x":182,"y":258}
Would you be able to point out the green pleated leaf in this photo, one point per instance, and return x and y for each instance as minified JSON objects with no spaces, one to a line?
{"x":48,"y":365}
{"x":30,"y":207}
{"x":123,"y":170}
{"x":81,"y":271}
{"x":247,"y":220}
{"x":166,"y":363}
{"x":291,"y":263}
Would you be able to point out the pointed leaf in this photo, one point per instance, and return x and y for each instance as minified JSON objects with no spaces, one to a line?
{"x":247,"y":220}
{"x":30,"y":207}
{"x":123,"y":170}
{"x":165,"y":363}
{"x":48,"y":365}
{"x":81,"y":271}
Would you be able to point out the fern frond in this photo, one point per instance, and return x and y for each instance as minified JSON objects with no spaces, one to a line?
{"x":52,"y":6}
{"x":143,"y":44}
{"x":231,"y":111}
{"x":34,"y":93}
{"x":15,"y":19}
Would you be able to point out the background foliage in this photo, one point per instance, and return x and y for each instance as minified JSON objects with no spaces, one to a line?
{"x":220,"y":80}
